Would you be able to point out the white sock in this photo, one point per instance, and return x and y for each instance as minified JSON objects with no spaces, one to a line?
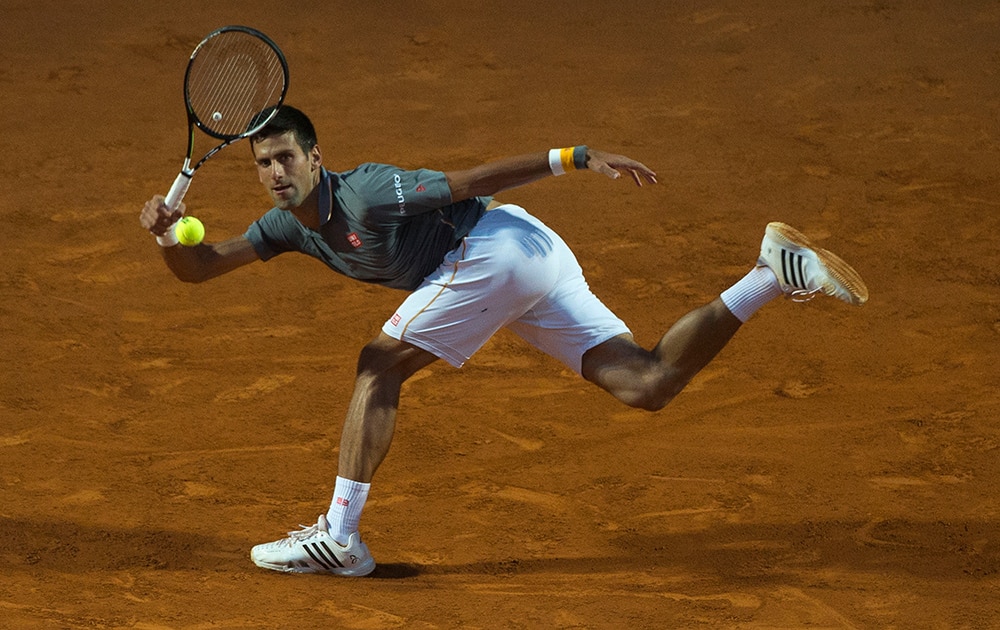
{"x":751,"y":292}
{"x":345,"y":508}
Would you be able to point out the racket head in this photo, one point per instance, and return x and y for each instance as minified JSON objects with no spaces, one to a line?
{"x":235,"y":81}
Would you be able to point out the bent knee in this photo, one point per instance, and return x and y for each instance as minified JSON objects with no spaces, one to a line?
{"x":647,"y":401}
{"x":650,"y":392}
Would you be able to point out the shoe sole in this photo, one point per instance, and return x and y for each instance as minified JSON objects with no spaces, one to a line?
{"x":841,"y":273}
{"x":361,"y":571}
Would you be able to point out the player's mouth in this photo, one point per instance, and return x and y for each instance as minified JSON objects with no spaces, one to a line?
{"x":282,"y":189}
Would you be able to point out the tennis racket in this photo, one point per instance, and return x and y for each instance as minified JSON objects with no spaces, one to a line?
{"x":235,"y":81}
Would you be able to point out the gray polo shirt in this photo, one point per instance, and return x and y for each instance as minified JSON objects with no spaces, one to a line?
{"x":380,"y":224}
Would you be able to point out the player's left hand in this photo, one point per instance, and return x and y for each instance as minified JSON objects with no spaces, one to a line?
{"x":614,"y":165}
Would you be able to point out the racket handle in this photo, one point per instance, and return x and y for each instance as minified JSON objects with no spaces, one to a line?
{"x":178,"y":190}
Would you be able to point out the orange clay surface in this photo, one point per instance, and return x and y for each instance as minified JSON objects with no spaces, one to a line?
{"x":835,"y":467}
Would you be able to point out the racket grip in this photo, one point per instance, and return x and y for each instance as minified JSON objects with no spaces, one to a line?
{"x":178,"y":190}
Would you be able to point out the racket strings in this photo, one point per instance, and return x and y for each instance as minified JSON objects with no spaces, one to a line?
{"x":233,"y":77}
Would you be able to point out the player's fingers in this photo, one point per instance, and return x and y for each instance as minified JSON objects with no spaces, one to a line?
{"x":641,"y":176}
{"x":648,"y":177}
{"x":150,"y":214}
{"x":614,"y":165}
{"x":169,"y":215}
{"x":156,"y":217}
{"x":639,"y":171}
{"x":146,"y":219}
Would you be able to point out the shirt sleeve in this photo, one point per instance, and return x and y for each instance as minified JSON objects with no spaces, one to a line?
{"x":271,"y":235}
{"x":388,"y":191}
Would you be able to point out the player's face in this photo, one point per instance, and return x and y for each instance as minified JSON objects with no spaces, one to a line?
{"x":288,"y":173}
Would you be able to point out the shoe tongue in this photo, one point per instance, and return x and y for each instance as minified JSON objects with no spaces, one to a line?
{"x":322,"y":523}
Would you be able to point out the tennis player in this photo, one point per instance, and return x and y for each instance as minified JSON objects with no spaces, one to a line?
{"x":472,"y":265}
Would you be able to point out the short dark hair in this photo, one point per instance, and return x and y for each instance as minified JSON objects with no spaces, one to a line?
{"x":286,"y":119}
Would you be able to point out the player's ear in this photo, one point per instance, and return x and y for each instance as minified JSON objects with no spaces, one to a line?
{"x":315,"y":156}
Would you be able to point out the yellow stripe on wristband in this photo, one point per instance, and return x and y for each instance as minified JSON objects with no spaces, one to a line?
{"x":566,"y":157}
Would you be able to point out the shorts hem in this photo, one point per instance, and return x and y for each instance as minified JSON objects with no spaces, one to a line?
{"x":449,"y":355}
{"x":596,"y":341}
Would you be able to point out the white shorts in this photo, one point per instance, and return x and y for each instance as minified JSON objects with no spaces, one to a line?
{"x":511,"y":270}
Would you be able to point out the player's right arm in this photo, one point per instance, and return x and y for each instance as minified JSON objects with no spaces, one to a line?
{"x":201,"y":262}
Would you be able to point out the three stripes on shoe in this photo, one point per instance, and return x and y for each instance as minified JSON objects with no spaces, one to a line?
{"x":793,"y":268}
{"x":327,"y":560}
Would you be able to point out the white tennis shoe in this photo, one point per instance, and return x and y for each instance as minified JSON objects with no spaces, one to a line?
{"x":804,"y":270}
{"x":313,"y":550}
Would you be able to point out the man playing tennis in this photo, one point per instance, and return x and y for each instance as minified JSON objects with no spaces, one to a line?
{"x":473,"y":266}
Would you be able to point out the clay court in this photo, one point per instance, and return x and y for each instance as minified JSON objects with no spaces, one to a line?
{"x":835,"y":467}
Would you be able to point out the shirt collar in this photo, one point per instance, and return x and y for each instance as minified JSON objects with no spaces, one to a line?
{"x":325,"y":201}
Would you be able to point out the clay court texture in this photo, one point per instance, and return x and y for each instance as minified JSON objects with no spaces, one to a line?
{"x":835,"y":467}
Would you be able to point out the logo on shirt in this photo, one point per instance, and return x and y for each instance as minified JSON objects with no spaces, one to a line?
{"x":354,"y":240}
{"x":421,"y":188}
{"x":397,"y":183}
{"x":395,"y":320}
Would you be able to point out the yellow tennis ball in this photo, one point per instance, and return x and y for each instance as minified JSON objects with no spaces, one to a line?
{"x":190,"y":231}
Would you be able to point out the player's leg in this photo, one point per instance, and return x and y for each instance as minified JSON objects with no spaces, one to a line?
{"x":572,"y":324}
{"x":384,"y":364}
{"x":333,"y":544}
{"x":788,"y":265}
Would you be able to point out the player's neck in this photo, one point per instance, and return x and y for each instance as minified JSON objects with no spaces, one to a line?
{"x":308,"y":211}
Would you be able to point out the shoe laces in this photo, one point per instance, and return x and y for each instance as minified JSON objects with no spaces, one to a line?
{"x":307,"y":532}
{"x":803,"y":295}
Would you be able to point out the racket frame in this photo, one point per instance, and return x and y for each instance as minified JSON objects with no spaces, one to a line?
{"x":183,"y":181}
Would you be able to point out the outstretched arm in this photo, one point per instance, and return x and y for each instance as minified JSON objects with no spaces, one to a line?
{"x":201,"y":262}
{"x":493,"y":177}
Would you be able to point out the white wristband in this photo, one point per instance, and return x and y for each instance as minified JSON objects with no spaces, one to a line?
{"x":169,"y":238}
{"x":555,"y":162}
